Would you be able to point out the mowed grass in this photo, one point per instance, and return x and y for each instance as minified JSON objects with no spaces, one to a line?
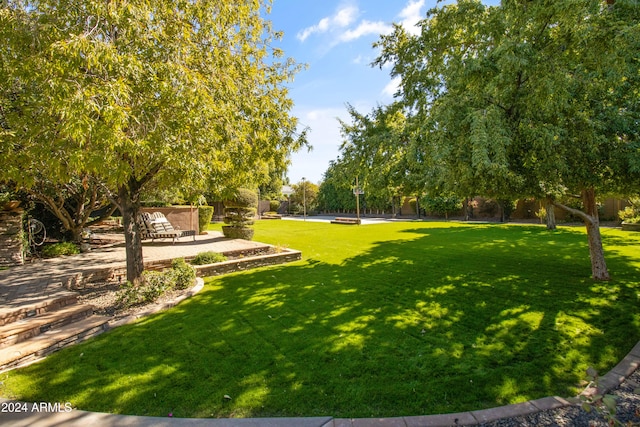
{"x":377,"y":320}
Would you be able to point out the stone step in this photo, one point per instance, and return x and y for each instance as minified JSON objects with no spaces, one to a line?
{"x":35,"y":307}
{"x":35,"y":348}
{"x":23,"y":329}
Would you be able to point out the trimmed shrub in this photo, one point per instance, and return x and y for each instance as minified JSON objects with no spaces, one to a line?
{"x":208,"y":257}
{"x":232,"y":232}
{"x":631,"y":214}
{"x":152,"y":285}
{"x":274,"y":205}
{"x":244,"y":198}
{"x":239,"y":215}
{"x":413,"y":205}
{"x":205,"y":213}
{"x":155,"y":283}
{"x":441,"y":204}
{"x":59,"y":249}
{"x":182,"y":274}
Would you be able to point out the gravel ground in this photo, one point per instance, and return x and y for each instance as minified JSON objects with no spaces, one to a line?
{"x":103,"y":297}
{"x":628,"y":412}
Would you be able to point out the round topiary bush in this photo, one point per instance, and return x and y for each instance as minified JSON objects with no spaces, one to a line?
{"x":274,"y":205}
{"x":233,"y":232}
{"x":239,"y":217}
{"x":239,"y":214}
{"x":244,"y":198}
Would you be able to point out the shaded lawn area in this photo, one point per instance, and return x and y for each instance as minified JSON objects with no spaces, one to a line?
{"x":375,"y":321}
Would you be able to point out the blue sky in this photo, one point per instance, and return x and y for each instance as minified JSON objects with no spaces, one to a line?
{"x":334,"y":38}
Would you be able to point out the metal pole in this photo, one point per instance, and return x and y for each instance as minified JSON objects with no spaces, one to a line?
{"x":357,"y":200}
{"x":304,"y":200}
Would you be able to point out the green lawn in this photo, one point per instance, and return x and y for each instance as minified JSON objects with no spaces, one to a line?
{"x":376,"y":320}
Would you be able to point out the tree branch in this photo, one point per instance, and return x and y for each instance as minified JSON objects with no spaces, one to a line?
{"x":577,"y":212}
{"x":104,"y":216}
{"x":50,"y":204}
{"x":151,"y":173}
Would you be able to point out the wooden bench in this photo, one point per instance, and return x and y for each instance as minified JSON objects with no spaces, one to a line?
{"x":157,"y":226}
{"x":351,"y":221}
{"x":271,"y":216}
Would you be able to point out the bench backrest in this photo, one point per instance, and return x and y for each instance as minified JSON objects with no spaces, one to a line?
{"x":151,"y":223}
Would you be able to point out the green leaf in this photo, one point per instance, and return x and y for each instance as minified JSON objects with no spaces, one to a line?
{"x":610,"y":402}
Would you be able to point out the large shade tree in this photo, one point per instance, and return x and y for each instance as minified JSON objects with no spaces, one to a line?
{"x":529,"y":98}
{"x":144,"y":94}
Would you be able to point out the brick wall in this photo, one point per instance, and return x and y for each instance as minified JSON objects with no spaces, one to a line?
{"x":181,"y":217}
{"x":11,"y":238}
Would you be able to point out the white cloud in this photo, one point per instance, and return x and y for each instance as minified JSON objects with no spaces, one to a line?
{"x":343,"y":17}
{"x":392,"y":87}
{"x":340,"y":25}
{"x":411,"y":15}
{"x":366,"y":28}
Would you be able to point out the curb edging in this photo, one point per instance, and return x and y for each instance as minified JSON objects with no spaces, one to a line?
{"x":75,"y":418}
{"x":606,"y":383}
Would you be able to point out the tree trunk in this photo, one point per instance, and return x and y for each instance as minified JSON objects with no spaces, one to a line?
{"x":76,"y":233}
{"x":551,"y":213}
{"x":129,"y":200}
{"x":596,"y":251}
{"x":590,"y":217}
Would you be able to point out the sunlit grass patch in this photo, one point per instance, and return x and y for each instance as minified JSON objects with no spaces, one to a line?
{"x":376,"y":320}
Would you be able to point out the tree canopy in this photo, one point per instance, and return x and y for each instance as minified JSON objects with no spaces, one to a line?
{"x":143,"y":94}
{"x":526,"y":99}
{"x":378,"y":149}
{"x":305,"y":197}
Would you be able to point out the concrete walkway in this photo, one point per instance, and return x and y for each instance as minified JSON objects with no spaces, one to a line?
{"x":41,"y":279}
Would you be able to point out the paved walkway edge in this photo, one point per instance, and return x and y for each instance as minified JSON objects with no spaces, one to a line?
{"x":34,"y":417}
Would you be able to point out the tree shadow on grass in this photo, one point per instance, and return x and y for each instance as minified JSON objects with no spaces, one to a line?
{"x":445,"y":320}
